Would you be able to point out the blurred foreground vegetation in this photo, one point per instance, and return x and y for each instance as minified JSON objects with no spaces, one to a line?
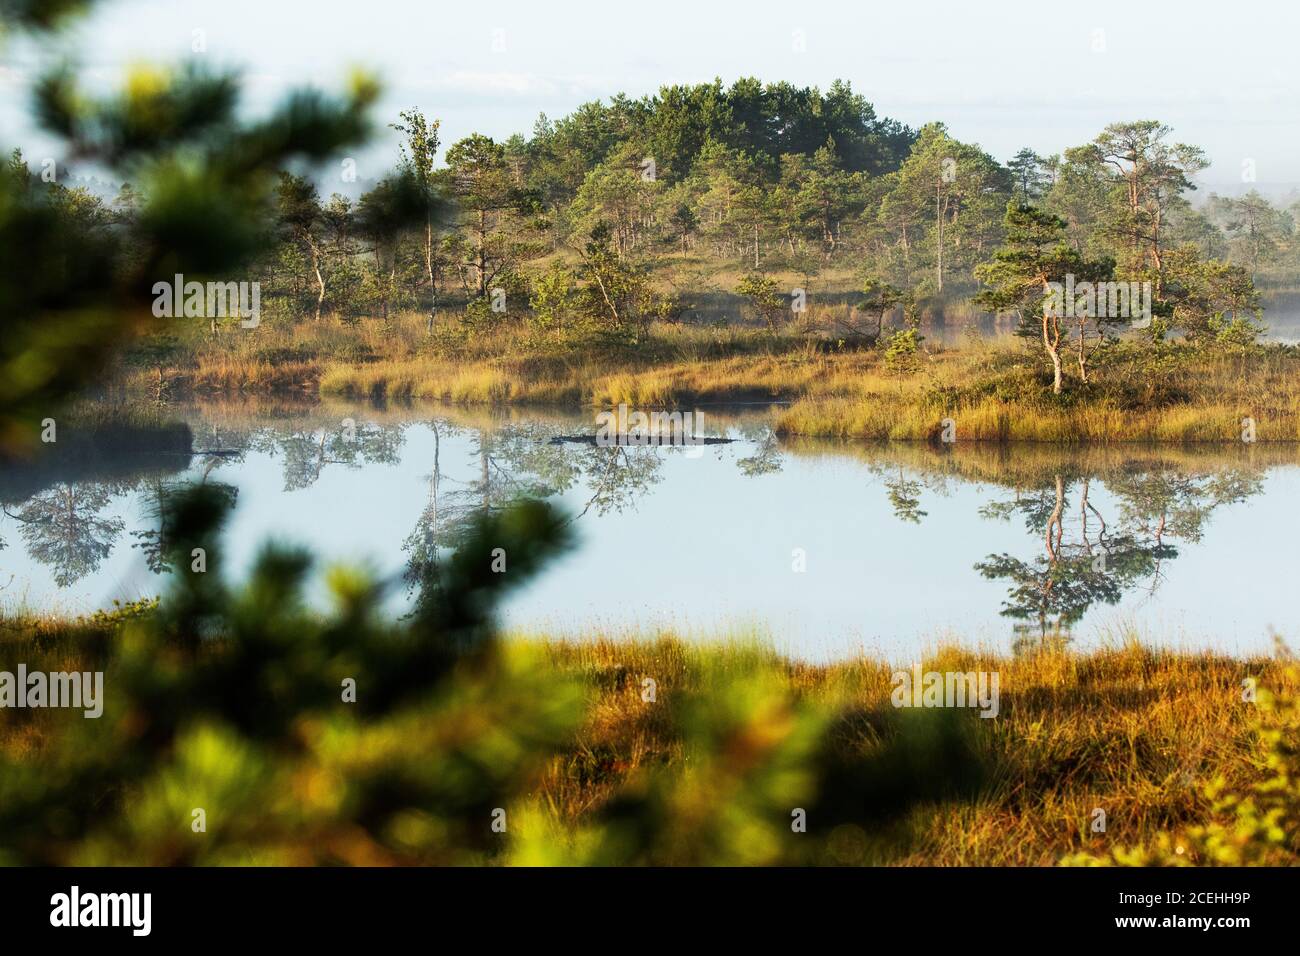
{"x":309,"y":738}
{"x":304,"y":738}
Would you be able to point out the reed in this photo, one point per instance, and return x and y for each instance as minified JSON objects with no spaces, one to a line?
{"x":990,"y":390}
{"x":1130,"y":729}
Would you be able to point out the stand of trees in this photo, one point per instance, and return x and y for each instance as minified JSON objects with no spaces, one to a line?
{"x":755,"y":183}
{"x":631,"y":211}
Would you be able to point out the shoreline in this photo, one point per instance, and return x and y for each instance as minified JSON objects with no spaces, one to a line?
{"x":988,"y":390}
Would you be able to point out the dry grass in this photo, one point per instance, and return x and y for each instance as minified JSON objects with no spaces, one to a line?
{"x":991,"y":390}
{"x":1133,"y":731}
{"x":891,"y":418}
{"x":998,"y":392}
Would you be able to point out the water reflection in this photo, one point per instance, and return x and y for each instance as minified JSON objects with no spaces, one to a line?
{"x":65,"y":529}
{"x":1080,"y":528}
{"x":1086,"y":553}
{"x":1080,"y":565}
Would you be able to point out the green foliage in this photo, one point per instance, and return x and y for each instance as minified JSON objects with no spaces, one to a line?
{"x":947,"y":195}
{"x":765,"y":298}
{"x":122,"y":612}
{"x":1203,"y":298}
{"x":676,"y":125}
{"x":1020,"y":277}
{"x":902,"y":350}
{"x":1030,"y":176}
{"x":1256,"y":234}
{"x":879,"y":298}
{"x":608,"y":300}
{"x":494,"y":211}
{"x":1238,"y":334}
{"x":1255,"y":825}
{"x":557,"y":305}
{"x":73,"y":282}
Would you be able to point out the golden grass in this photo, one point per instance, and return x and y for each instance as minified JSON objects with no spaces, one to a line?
{"x":1130,"y":730}
{"x":990,"y":420}
{"x":495,"y":383}
{"x":995,"y":392}
{"x":680,"y":368}
{"x":991,"y":390}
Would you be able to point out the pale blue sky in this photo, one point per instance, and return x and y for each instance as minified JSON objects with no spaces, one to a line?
{"x":1003,"y":74}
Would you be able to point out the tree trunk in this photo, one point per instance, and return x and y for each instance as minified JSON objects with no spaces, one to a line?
{"x":1083,"y":357}
{"x":1052,"y":342}
{"x":428,"y":264}
{"x":320,"y":280}
{"x":482,"y":254}
{"x":938,"y":218}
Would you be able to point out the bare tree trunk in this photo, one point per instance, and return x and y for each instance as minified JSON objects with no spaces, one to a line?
{"x":320,"y":280}
{"x":428,"y":264}
{"x":1083,"y":356}
{"x":1052,"y":342}
{"x":938,"y":218}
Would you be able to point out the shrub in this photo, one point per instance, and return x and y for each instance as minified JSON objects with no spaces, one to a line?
{"x":901,"y":351}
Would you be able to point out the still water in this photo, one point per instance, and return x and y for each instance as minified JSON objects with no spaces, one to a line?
{"x":822,"y":548}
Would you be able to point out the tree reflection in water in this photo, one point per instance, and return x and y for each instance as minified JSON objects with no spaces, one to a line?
{"x":1106,"y":523}
{"x":1086,"y":559}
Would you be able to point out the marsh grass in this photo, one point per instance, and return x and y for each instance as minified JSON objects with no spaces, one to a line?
{"x":991,"y":389}
{"x":1131,"y":730}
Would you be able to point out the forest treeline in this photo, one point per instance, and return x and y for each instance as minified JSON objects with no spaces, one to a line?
{"x":636,"y":210}
{"x":627,"y":211}
{"x":752,"y":203}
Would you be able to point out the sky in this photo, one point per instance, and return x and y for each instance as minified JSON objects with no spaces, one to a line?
{"x":1004,"y":75}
